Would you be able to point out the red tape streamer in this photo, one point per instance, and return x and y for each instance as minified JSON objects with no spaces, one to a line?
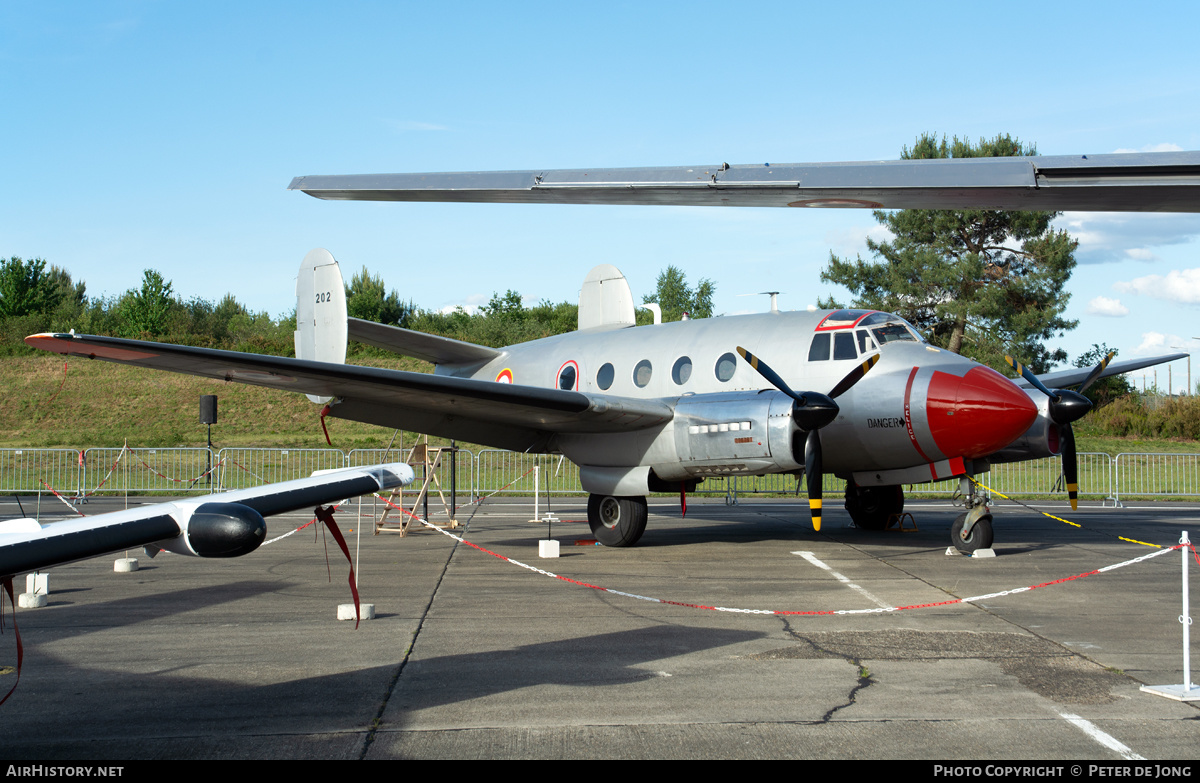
{"x":8,"y":588}
{"x":324,"y":413}
{"x":325,"y":514}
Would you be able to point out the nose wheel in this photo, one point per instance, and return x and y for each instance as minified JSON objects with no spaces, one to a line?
{"x":972,"y":531}
{"x":978,"y":535}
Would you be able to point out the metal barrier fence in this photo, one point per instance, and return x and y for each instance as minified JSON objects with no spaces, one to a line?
{"x":1156,"y":474}
{"x":187,"y":470}
{"x":175,"y":470}
{"x":24,"y":470}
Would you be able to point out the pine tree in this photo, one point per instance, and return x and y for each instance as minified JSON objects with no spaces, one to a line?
{"x":978,"y":282}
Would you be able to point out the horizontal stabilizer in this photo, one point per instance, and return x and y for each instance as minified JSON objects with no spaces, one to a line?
{"x":426,"y":347}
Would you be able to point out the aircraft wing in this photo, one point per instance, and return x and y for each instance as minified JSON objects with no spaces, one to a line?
{"x":1063,"y":379}
{"x":495,"y":414}
{"x":1135,"y":182}
{"x":228,"y":524}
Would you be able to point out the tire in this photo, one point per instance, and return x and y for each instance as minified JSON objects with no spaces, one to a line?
{"x":981,"y":534}
{"x":617,"y":521}
{"x":873,"y":508}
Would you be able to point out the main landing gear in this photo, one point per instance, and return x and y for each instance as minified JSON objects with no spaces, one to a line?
{"x":972,"y":530}
{"x":617,"y":521}
{"x":874,"y":508}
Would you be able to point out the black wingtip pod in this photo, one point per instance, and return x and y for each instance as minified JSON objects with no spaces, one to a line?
{"x":225,"y":530}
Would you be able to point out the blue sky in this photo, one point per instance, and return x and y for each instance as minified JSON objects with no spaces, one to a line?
{"x":163,"y":135}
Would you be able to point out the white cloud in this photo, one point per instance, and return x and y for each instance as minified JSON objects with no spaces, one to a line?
{"x":1156,"y":343}
{"x":1111,"y":308}
{"x":1165,"y":146}
{"x":1122,"y":236}
{"x":853,"y":241}
{"x":470,"y":305}
{"x":1178,"y":285}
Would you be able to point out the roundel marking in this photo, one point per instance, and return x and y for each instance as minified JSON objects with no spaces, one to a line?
{"x":567,"y":378}
{"x":505,"y":376}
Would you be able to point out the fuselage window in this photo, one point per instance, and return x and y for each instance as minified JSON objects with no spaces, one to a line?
{"x":819,"y":350}
{"x":604,"y":377}
{"x":642,"y":373}
{"x":725,"y":367}
{"x":682,"y":370}
{"x":843,"y":346}
{"x":566,"y":378}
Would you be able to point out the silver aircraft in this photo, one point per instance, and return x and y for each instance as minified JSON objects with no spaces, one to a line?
{"x":659,"y":408}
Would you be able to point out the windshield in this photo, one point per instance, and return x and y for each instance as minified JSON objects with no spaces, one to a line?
{"x":890,"y":328}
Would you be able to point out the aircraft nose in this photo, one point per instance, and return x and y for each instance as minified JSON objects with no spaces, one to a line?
{"x":978,"y":413}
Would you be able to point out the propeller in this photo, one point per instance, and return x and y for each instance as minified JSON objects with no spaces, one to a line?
{"x":811,"y":411}
{"x":1065,"y":407}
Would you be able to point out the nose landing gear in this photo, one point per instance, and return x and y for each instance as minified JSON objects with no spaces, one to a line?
{"x":972,"y":530}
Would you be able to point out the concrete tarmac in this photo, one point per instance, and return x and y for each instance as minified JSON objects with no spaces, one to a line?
{"x":471,"y":656}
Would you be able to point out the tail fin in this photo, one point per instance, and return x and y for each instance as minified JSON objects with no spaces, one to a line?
{"x":320,"y":311}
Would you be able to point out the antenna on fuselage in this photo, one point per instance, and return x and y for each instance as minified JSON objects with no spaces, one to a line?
{"x":774,"y":298}
{"x":654,"y":308}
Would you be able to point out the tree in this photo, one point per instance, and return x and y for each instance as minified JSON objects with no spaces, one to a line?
{"x":367,"y":298}
{"x":145,"y":310}
{"x":27,"y":289}
{"x":1105,"y":390}
{"x":675,"y":297}
{"x":978,"y":282}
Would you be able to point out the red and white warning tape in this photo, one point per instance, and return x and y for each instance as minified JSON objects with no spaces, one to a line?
{"x":876,"y":610}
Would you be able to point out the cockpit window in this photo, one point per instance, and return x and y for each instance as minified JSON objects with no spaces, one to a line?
{"x":865,"y":343}
{"x":819,"y":350}
{"x":843,"y":346}
{"x":893,"y":332}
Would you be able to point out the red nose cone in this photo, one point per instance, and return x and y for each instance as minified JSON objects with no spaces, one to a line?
{"x":977,"y":414}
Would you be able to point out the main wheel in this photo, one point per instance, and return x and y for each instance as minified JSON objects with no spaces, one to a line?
{"x":980,"y":538}
{"x":617,"y":521}
{"x":873,"y":508}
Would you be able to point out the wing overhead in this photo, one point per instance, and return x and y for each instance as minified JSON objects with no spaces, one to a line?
{"x":1063,"y":379}
{"x":1137,"y":182}
{"x":223,"y":525}
{"x":495,"y":414}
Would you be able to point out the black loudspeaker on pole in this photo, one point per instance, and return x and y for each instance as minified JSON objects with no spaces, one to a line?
{"x":208,"y":415}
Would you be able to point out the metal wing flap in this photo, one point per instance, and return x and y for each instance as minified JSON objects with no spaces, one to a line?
{"x":1063,"y":379}
{"x":481,"y":411}
{"x":1160,"y":181}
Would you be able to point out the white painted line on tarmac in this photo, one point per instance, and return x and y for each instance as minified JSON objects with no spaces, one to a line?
{"x":1105,"y":739}
{"x":810,"y":557}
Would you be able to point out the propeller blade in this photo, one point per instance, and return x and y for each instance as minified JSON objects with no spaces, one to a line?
{"x":1025,"y":373}
{"x":771,"y":376}
{"x":1070,"y":465}
{"x":810,"y":410}
{"x":812,"y":476}
{"x":1095,"y":374}
{"x":853,"y":377}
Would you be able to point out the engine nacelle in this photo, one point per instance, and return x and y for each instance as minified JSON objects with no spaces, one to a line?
{"x":1042,"y":439}
{"x":217,"y":530}
{"x":734,"y":433}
